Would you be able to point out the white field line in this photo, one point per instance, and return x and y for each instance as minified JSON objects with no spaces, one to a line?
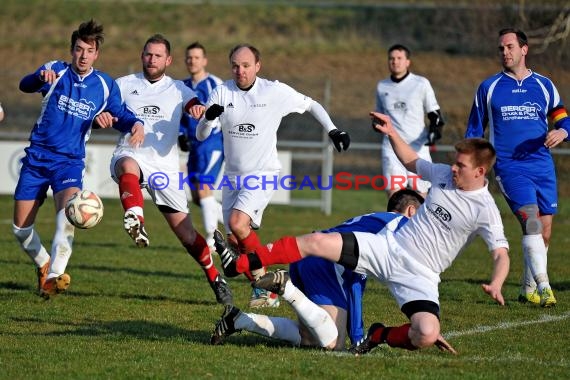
{"x":507,"y":325}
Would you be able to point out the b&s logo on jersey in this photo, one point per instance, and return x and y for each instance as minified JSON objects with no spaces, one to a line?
{"x":243,"y":131}
{"x":440,"y":213}
{"x":149,"y":112}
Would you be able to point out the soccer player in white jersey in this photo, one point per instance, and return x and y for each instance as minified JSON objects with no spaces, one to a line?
{"x":516,"y":105}
{"x":407,"y":98}
{"x":160,"y":101}
{"x":410,"y":261}
{"x":326,"y":296}
{"x":249,"y":110}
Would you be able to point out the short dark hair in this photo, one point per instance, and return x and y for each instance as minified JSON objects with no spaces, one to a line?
{"x":401,"y":199}
{"x":252,"y":48}
{"x":196,"y":45}
{"x":158,"y":39}
{"x":88,"y":32}
{"x":482,"y":151}
{"x":400,"y":47}
{"x":521,"y":36}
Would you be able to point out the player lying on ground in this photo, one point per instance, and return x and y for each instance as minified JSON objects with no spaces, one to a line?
{"x":411,"y":260}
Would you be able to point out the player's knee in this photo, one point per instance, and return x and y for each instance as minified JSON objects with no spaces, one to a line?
{"x":529,"y":218}
{"x":424,"y":334}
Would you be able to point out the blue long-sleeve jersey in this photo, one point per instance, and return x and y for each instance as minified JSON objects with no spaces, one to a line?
{"x":69,"y":106}
{"x":188,"y":124}
{"x":517,"y":113}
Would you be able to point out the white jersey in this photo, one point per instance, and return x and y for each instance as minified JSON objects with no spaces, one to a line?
{"x":250,"y":121}
{"x":407,"y":102}
{"x":449,"y":219}
{"x":161,"y":106}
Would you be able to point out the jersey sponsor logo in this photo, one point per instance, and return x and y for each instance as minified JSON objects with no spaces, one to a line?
{"x":526,"y":111}
{"x":81,"y":109}
{"x":243,"y":131}
{"x":82,"y":85}
{"x":149,"y":110}
{"x":400,"y":106}
{"x":440,"y":213}
{"x":69,"y":180}
{"x":519,"y":91}
{"x":261,"y":105}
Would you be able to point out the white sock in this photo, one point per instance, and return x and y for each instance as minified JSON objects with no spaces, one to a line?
{"x":273,"y":327}
{"x":61,"y":245}
{"x":210,"y":209}
{"x":535,"y":255}
{"x":528,"y":283}
{"x":315,"y":318}
{"x":31,"y":244}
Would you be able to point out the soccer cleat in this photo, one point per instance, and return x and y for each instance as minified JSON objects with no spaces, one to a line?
{"x":222,"y":291}
{"x":226,"y":253}
{"x":226,"y":325}
{"x":42,"y":274}
{"x":135,"y":229}
{"x":547,"y":298}
{"x":263,"y":298}
{"x":55,"y":285}
{"x":531,"y":297}
{"x":273,"y":281}
{"x":366,"y":344}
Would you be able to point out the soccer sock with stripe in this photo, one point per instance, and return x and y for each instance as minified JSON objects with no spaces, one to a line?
{"x":282,"y":251}
{"x":131,"y":194}
{"x":201,"y":253}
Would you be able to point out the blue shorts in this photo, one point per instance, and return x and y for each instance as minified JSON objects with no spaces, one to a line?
{"x":204,"y":165}
{"x":317,"y":279}
{"x":525,"y":187}
{"x":42,"y":170}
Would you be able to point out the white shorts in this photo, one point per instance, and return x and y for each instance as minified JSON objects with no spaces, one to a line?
{"x":395,"y":172}
{"x":251,"y":200}
{"x":383,"y":258}
{"x":162,"y":184}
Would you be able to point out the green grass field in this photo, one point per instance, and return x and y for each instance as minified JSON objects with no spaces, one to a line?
{"x":133,"y":313}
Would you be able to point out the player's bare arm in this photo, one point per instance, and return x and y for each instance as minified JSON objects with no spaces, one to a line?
{"x":501,"y":263}
{"x":382,"y":123}
{"x":137,"y":135}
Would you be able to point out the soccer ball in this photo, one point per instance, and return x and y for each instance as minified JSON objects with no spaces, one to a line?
{"x":84,"y":209}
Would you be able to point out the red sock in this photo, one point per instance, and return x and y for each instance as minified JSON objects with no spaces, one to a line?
{"x":130,"y":191}
{"x":250,"y":243}
{"x":282,"y":251}
{"x":398,"y":337}
{"x":201,"y":253}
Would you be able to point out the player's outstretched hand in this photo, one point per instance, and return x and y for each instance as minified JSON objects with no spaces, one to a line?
{"x":381,"y":123}
{"x":340,"y":139}
{"x":214,"y":111}
{"x":494,"y":293}
{"x":444,"y":345}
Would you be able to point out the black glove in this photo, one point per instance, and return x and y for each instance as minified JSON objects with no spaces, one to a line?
{"x":183,"y":143}
{"x":435,"y":124}
{"x":340,"y":139}
{"x":214,"y":111}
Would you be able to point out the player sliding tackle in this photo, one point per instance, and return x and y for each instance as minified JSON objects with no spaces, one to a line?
{"x":410,"y":260}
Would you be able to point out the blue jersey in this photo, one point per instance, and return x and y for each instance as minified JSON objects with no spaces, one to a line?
{"x":69,"y":106}
{"x":188,"y":124}
{"x":516,"y":113}
{"x":319,"y":278}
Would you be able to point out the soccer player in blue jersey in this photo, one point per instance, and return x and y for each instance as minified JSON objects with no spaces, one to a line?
{"x":516,"y":105}
{"x":74,"y":94}
{"x":326,"y":296}
{"x":205,"y":158}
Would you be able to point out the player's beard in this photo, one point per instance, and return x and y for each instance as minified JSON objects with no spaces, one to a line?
{"x":153,"y":73}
